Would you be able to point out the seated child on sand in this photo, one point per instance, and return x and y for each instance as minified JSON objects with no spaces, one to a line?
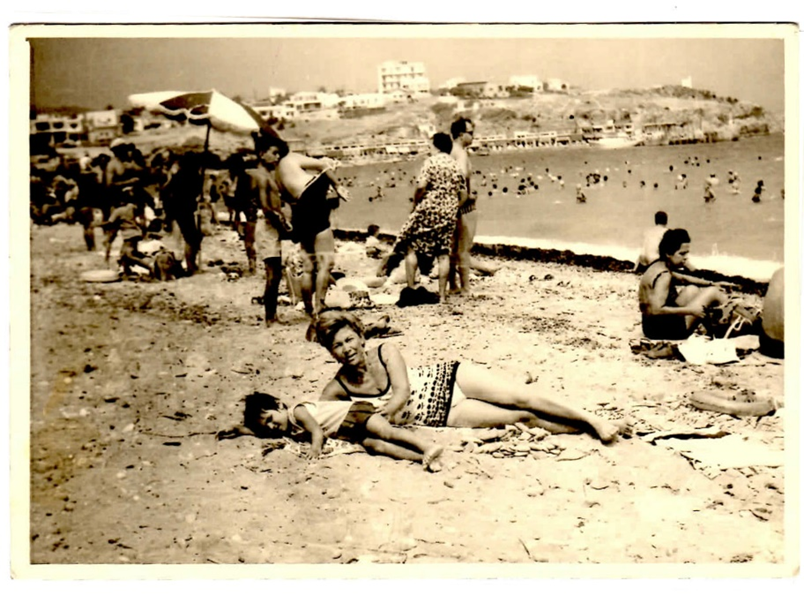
{"x":374,"y":248}
{"x":357,"y":422}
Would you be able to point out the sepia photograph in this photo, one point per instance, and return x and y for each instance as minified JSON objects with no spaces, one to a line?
{"x":360,"y":300}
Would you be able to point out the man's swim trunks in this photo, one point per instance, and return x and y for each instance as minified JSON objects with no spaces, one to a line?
{"x":311,"y":210}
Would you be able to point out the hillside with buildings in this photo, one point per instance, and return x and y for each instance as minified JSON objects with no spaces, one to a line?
{"x":656,"y":116}
{"x":406,"y":110}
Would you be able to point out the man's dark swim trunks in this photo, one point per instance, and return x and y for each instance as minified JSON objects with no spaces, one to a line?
{"x":311,"y":210}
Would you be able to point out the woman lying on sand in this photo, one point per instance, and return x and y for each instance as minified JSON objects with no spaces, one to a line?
{"x":448,"y":394}
{"x":356,"y":422}
{"x":673,"y":303}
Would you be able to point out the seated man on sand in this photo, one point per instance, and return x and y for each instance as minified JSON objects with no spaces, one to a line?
{"x":650,"y":242}
{"x":673,"y":303}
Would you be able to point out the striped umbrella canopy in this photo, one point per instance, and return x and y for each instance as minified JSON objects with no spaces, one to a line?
{"x":208,"y":108}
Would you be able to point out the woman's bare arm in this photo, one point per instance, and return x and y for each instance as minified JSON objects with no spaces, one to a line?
{"x":398,"y":375}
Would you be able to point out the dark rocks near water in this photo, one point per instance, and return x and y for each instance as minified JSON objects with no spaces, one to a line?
{"x":565,"y":256}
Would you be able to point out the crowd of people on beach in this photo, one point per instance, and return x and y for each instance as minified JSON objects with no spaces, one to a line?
{"x":280,"y":202}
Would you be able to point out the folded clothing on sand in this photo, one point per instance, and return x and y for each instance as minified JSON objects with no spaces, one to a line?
{"x":416,"y":297}
{"x":655,"y":349}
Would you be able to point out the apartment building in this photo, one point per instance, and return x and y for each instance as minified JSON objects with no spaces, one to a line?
{"x":410,"y":77}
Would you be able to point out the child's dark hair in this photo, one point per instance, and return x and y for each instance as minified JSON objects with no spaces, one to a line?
{"x":256,"y":403}
{"x":373,"y":229}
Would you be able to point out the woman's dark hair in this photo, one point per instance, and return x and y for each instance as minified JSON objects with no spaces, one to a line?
{"x":672,"y":241}
{"x":332,"y":321}
{"x":256,"y":403}
{"x":442,"y":142}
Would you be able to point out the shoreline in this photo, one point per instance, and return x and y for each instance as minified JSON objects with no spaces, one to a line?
{"x":381,"y":159}
{"x":584,"y":256}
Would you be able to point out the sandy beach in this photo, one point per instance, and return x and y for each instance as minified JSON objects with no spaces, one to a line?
{"x":131,"y":380}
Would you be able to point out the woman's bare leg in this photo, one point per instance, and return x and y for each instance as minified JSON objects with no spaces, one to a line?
{"x":706,"y":297}
{"x":484,"y":267}
{"x":498,"y":389}
{"x":411,"y":265}
{"x":476,"y":413}
{"x":443,"y":276}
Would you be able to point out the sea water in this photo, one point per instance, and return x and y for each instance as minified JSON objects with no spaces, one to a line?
{"x":731,"y":235}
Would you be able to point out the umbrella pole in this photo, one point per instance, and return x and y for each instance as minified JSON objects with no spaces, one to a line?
{"x":203,"y":174}
{"x":204,"y":159}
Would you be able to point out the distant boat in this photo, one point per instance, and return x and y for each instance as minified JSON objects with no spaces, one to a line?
{"x":615,"y":142}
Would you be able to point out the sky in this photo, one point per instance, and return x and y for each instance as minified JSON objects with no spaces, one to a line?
{"x":96,"y":72}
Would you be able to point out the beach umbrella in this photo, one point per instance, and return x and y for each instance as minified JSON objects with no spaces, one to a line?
{"x":207,"y":108}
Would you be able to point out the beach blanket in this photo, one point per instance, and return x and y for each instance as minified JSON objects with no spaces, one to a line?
{"x":331,"y":447}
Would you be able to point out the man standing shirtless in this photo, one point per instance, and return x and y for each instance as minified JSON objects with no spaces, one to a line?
{"x":305,"y":183}
{"x":258,"y":188}
{"x":462,"y":131}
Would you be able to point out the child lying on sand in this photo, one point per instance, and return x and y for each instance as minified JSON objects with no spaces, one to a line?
{"x":358,"y":422}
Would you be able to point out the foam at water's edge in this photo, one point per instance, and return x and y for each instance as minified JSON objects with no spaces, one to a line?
{"x":601,"y":257}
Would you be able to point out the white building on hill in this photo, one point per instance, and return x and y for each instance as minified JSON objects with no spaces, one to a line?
{"x":687,"y":82}
{"x":527,"y":81}
{"x":283,"y":112}
{"x":305,"y":102}
{"x":370,"y":100}
{"x":554,"y":84}
{"x":402,"y":75}
{"x":453,"y":82}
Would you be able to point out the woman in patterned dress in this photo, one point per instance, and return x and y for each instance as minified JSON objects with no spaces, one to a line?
{"x":429,"y":229}
{"x":447,"y":394}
